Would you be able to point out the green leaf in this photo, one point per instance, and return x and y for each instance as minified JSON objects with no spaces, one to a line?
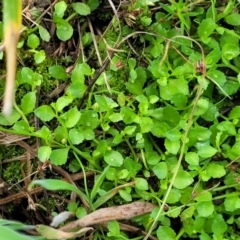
{"x":93,"y":4}
{"x":59,"y":156}
{"x":58,"y":72}
{"x":88,"y":134}
{"x":215,"y":170}
{"x":146,"y":124}
{"x":76,"y":136}
{"x":132,"y":63}
{"x":62,"y":102}
{"x":129,"y":130}
{"x":146,"y":21}
{"x":218,"y":76}
{"x":111,"y":174}
{"x":214,"y":56}
{"x":234,"y":113}
{"x":22,"y":127}
{"x":230,"y":51}
{"x":205,"y":209}
{"x":116,"y":117}
{"x":79,"y":72}
{"x":206,"y":151}
{"x":125,"y":195}
{"x":230,"y":203}
{"x":105,"y":103}
{"x":81,"y":8}
{"x":172,"y":87}
{"x":76,"y":89}
{"x":172,"y":146}
{"x":64,"y":30}
{"x":160,"y":170}
{"x":160,"y":128}
{"x":230,"y":87}
{"x":44,"y":133}
{"x":81,"y":212}
{"x":227,"y":127}
{"x":171,"y":115}
{"x":27,"y":76}
{"x":113,"y":228}
{"x":89,"y":119}
{"x":233,"y":19}
{"x":60,"y":8}
{"x":182,"y":180}
{"x":206,"y":28}
{"x":39,"y":57}
{"x":113,"y":158}
{"x":33,"y":41}
{"x":44,"y":153}
{"x":179,"y":100}
{"x":192,"y":158}
{"x":60,"y":133}
{"x":198,"y":134}
{"x":202,"y":106}
{"x":132,"y":166}
{"x":165,"y":232}
{"x":28,"y":102}
{"x":71,"y":117}
{"x":128,"y":115}
{"x":188,"y":212}
{"x":141,"y":184}
{"x":173,"y":196}
{"x":204,"y":197}
{"x":143,"y":104}
{"x":45,"y":113}
{"x":44,"y":34}
{"x":55,"y":185}
{"x":219,"y":226}
{"x":211,"y":114}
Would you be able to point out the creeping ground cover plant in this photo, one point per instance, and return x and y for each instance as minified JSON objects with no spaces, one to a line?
{"x":125,"y":123}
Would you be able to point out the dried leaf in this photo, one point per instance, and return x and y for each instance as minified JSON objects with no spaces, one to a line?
{"x":51,"y":233}
{"x":126,"y":211}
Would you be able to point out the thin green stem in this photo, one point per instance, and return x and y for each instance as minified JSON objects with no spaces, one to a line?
{"x":155,"y":145}
{"x":87,"y":157}
{"x":227,"y":64}
{"x":20,"y":112}
{"x":131,"y":149}
{"x":84,"y":179}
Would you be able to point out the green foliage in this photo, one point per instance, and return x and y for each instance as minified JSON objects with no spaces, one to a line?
{"x":166,"y":127}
